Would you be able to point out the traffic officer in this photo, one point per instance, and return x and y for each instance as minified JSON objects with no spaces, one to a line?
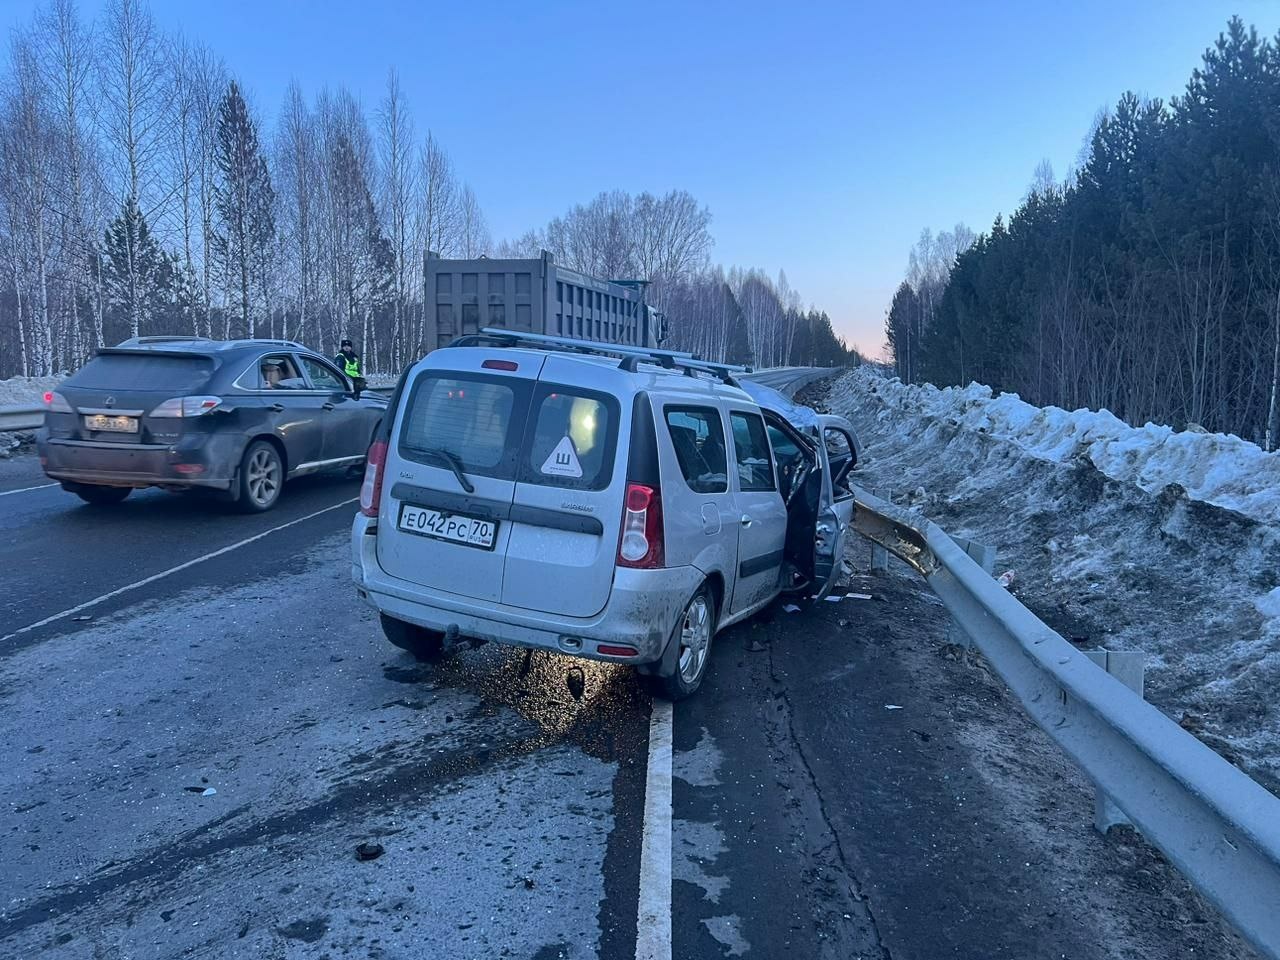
{"x":348,"y":361}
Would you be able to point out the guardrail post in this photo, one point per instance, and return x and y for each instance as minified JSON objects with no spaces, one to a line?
{"x":879,"y":555}
{"x":1127,"y":667}
{"x":984,"y":555}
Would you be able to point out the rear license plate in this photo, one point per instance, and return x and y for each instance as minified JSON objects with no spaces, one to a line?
{"x":110,"y":424}
{"x":453,"y":527}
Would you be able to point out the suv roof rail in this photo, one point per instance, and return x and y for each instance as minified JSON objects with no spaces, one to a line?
{"x":167,"y":338}
{"x":631,"y":356}
{"x":275,"y":343}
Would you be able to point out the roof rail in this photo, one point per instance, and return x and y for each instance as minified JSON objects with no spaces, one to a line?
{"x":167,"y":338}
{"x":631,"y":356}
{"x":275,"y":343}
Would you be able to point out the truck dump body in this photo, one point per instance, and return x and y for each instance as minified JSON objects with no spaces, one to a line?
{"x":533,"y":296}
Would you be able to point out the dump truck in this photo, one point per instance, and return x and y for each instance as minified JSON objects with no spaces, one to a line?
{"x":535,"y":296}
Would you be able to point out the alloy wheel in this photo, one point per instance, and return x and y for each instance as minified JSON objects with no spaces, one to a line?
{"x":695,"y":638}
{"x":263,"y":476}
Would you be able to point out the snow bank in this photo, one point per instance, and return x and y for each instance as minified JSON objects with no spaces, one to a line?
{"x":1214,"y":468}
{"x":1128,"y":538}
{"x":26,"y":390}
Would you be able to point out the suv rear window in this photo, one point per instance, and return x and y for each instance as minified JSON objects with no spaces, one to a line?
{"x":572,"y":438}
{"x":468,"y":417}
{"x":142,"y":371}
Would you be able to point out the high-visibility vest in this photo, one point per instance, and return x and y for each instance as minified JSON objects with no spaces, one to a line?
{"x":350,"y":365}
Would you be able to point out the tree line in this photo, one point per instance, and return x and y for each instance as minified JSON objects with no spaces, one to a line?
{"x":1147,"y":282}
{"x":141,"y":193}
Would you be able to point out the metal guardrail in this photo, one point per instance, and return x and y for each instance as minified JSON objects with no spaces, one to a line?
{"x":1220,"y":828}
{"x":21,"y":416}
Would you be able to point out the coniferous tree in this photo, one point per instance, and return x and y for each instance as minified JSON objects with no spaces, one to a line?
{"x":136,"y":272}
{"x":243,"y":199}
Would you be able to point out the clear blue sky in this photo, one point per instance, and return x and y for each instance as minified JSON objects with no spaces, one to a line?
{"x":823,"y":136}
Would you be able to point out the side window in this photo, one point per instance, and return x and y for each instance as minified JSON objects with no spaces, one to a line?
{"x":273,"y":373}
{"x":791,"y":460}
{"x":698,"y":440}
{"x":751,"y":448}
{"x":322,"y":378}
{"x":842,"y":458}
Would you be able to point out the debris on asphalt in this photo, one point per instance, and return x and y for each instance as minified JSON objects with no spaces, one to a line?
{"x":892,"y":706}
{"x":334,"y":658}
{"x":858,"y":596}
{"x":835,"y":598}
{"x":82,"y":618}
{"x":842,"y":624}
{"x":755,"y":646}
{"x":203,"y":791}
{"x":369,"y":851}
{"x":1005,"y":579}
{"x":576,"y":681}
{"x":791,"y":608}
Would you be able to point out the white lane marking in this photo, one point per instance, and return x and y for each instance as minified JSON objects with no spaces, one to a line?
{"x":653,"y":918}
{"x":172,"y":570}
{"x":43,"y":486}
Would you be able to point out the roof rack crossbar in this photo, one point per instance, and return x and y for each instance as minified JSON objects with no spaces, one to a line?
{"x":631,"y":356}
{"x":584,"y":346}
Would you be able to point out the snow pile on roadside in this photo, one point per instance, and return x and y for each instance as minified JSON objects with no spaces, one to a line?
{"x":1215,"y":468}
{"x":1128,"y":538}
{"x":26,"y":390}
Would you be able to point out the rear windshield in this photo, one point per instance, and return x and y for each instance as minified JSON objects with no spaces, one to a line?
{"x":508,"y":428}
{"x":140,"y":371}
{"x":468,"y":417}
{"x":572,"y":439}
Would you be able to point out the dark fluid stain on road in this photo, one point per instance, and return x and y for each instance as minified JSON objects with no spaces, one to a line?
{"x":308,"y":931}
{"x":552,"y":951}
{"x":597,"y":720}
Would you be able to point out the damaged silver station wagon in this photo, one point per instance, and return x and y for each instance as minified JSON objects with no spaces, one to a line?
{"x":602,"y":501}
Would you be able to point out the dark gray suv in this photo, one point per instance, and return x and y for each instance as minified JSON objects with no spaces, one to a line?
{"x":236,"y":417}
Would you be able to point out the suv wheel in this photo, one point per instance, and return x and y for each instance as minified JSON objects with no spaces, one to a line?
{"x":693,"y":633}
{"x":425,"y":645}
{"x":101,"y":496}
{"x":261,"y":477}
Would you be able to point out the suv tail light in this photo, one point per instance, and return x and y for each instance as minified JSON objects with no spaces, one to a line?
{"x":186,"y":407}
{"x":641,"y":543}
{"x":371,"y":489}
{"x":56,"y":402}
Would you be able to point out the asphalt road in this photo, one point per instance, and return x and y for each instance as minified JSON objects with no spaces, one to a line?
{"x":188,"y":766}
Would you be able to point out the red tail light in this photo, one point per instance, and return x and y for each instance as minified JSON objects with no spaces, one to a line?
{"x":371,"y":489}
{"x":640,"y":544}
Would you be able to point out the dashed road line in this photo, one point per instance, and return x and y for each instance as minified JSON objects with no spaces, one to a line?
{"x":653,"y":917}
{"x":179,"y":568}
{"x":42,"y":486}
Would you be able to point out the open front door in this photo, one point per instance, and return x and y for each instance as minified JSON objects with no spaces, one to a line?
{"x":838,"y":453}
{"x":800,"y":479}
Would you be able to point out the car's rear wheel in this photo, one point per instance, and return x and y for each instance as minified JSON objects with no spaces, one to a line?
{"x":261,"y":477}
{"x":101,"y":496}
{"x":425,"y":645}
{"x":692,"y":637}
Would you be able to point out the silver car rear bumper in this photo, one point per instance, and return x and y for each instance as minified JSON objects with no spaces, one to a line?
{"x":641,"y":612}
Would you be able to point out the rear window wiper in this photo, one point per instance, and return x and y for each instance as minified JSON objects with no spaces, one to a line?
{"x":454,"y":464}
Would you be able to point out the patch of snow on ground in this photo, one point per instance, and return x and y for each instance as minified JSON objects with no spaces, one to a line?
{"x":1121,"y":537}
{"x":26,"y":390}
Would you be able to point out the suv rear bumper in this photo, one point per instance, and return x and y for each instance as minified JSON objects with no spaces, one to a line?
{"x":139,"y":465}
{"x":641,"y":612}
